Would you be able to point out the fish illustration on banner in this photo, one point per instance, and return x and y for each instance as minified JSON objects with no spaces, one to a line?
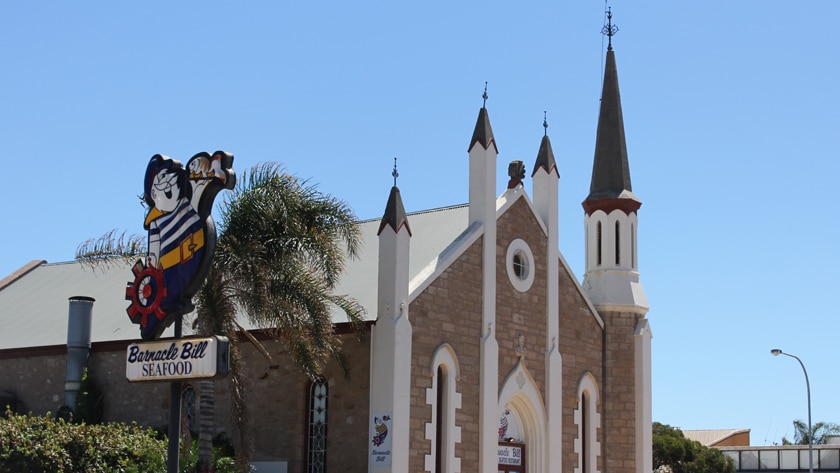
{"x":380,"y":425}
{"x":182,"y":237}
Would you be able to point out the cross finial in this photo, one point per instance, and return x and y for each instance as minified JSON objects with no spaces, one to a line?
{"x":609,"y":29}
{"x":545,"y":122}
{"x":395,"y":173}
{"x":484,"y":95}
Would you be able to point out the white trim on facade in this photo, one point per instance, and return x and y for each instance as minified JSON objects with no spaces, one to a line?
{"x":644,"y":408}
{"x":520,"y":392}
{"x":445,"y":358}
{"x":521,"y":282}
{"x":589,"y":387}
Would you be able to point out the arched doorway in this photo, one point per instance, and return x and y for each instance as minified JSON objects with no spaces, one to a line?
{"x":521,"y":404}
{"x":512,"y":452}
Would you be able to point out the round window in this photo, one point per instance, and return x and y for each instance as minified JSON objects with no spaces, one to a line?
{"x":520,"y":265}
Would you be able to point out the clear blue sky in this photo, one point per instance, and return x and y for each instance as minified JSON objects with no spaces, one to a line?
{"x":730,"y":107}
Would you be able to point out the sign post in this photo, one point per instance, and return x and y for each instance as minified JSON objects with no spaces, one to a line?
{"x":173,"y":456}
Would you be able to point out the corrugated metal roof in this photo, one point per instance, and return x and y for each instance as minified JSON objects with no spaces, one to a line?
{"x":711,"y":437}
{"x":34,"y":307}
{"x":431,"y":232}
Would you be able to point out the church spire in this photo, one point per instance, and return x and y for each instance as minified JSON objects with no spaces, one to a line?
{"x":611,"y":170}
{"x":612,"y":277}
{"x":545,"y":156}
{"x":483,"y":133}
{"x":612,"y":284}
{"x":394,"y":211}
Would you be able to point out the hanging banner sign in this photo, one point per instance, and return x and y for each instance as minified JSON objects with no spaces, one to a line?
{"x":186,"y":358}
{"x":380,"y":444}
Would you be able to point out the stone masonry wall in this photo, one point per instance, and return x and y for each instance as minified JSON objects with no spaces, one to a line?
{"x":619,"y":393}
{"x":448,"y":311}
{"x":278,"y":400}
{"x":36,"y":381}
{"x":521,"y":312}
{"x":581,"y":345}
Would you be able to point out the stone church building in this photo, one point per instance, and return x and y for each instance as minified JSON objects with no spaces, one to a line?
{"x":484,"y":352}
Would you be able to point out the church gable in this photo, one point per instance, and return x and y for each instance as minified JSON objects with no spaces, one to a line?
{"x":521,"y":288}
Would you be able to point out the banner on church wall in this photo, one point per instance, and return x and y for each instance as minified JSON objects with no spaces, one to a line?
{"x":380,"y":446}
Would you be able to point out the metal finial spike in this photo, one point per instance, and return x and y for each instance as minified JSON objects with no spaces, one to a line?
{"x":609,"y":29}
{"x":545,"y":122}
{"x":395,"y":173}
{"x":484,"y":95}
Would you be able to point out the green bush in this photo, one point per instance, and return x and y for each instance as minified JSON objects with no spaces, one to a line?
{"x":90,"y":405}
{"x":223,"y":454}
{"x":30,"y":444}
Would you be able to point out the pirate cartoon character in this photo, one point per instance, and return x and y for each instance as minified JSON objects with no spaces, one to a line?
{"x":182,"y":237}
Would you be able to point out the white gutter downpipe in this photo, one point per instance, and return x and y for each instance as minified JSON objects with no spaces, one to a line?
{"x":78,"y":346}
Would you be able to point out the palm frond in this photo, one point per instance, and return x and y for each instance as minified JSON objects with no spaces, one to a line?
{"x":111,"y":248}
{"x":256,"y":343}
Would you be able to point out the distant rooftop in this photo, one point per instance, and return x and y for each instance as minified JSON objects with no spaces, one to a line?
{"x":716,"y":437}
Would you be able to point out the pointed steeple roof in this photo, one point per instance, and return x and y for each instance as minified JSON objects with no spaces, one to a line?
{"x":545,"y":157}
{"x":611,"y":170}
{"x":394,"y":213}
{"x":483,"y":133}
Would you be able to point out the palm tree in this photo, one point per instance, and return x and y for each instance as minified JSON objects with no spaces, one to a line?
{"x":281,"y":248}
{"x":820,"y":432}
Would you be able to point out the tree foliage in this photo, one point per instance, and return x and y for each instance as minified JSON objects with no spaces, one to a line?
{"x":282,"y":248}
{"x":90,"y":403}
{"x":673,"y":452}
{"x":820,"y":432}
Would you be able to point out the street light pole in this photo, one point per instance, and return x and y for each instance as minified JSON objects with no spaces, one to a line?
{"x":777,"y":352}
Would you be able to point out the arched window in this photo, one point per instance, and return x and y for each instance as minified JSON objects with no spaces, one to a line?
{"x":588,"y":421}
{"x":599,"y":236}
{"x":188,"y":405}
{"x":445,"y":400}
{"x":617,"y":244}
{"x":584,"y":440}
{"x":440,"y":420}
{"x":633,"y":246}
{"x":316,"y":438}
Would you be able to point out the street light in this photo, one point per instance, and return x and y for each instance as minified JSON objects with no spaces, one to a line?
{"x":777,"y":352}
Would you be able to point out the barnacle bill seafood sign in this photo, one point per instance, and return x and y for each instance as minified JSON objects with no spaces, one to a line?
{"x":187,"y":358}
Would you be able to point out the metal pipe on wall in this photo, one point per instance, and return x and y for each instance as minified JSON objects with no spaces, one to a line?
{"x":78,"y":345}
